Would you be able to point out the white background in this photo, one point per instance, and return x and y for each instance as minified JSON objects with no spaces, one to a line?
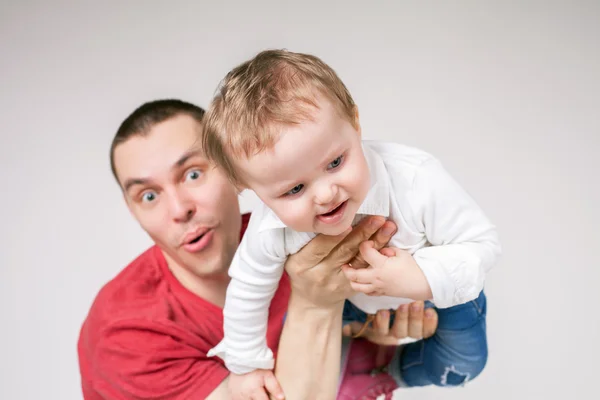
{"x":505,"y":93}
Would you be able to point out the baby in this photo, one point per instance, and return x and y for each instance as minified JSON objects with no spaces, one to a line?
{"x":285,"y":126}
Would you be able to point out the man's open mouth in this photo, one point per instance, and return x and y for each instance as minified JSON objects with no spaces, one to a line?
{"x":197,"y":239}
{"x":197,"y":243}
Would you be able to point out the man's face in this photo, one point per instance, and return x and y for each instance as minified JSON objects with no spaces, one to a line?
{"x":187,"y":207}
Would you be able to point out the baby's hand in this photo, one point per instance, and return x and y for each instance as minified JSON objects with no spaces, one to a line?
{"x":391,"y":272}
{"x":255,"y":385}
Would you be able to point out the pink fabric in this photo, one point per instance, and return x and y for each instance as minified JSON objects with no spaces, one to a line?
{"x":364,"y":372}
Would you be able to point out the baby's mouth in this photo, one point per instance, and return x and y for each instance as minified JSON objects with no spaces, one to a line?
{"x":333,"y":216}
{"x":332,"y":212}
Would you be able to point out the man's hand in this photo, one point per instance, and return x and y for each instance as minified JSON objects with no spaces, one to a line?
{"x":315,"y":271}
{"x":256,"y":385}
{"x":411,"y":321}
{"x":391,"y":272}
{"x":308,"y":359}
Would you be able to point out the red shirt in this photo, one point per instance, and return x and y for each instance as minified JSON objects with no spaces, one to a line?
{"x":146,"y":336}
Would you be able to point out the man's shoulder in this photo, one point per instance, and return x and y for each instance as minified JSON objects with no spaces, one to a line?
{"x":139,"y":279}
{"x":141,"y":336}
{"x":130,"y":295}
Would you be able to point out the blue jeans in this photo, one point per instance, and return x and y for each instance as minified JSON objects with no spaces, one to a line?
{"x":454,"y":355}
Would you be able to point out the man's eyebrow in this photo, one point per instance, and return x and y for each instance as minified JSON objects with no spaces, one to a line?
{"x":186,"y":156}
{"x":129,"y":183}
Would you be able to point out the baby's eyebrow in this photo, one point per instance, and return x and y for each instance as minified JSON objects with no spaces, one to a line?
{"x":332,"y":155}
{"x":286,"y":186}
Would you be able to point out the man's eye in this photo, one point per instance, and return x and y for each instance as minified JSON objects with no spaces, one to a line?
{"x":148,"y":197}
{"x":296,"y":189}
{"x":335,"y":163}
{"x":193,"y":175}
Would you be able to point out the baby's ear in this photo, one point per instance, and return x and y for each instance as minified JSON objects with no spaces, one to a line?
{"x":239,"y":186}
{"x":356,"y":122}
{"x":240,"y":189}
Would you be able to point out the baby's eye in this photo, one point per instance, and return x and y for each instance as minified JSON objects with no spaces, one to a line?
{"x":193,"y":174}
{"x":148,"y":197}
{"x":296,"y":189}
{"x":335,"y":163}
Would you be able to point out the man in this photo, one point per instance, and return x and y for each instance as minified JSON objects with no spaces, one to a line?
{"x":149,"y":329}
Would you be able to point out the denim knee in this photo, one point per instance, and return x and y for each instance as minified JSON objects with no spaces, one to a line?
{"x":455,"y":355}
{"x":441,"y":362}
{"x":461,"y":367}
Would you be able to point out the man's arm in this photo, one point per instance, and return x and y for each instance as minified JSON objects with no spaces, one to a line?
{"x":308,"y":359}
{"x":309,"y":353}
{"x":221,"y":392}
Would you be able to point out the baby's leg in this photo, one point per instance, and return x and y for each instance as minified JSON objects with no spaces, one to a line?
{"x":454,"y":355}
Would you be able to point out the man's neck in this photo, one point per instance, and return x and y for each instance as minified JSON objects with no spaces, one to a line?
{"x":211,"y":288}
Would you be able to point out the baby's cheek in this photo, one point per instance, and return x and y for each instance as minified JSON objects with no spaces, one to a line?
{"x":296,"y":216}
{"x":358,"y":179}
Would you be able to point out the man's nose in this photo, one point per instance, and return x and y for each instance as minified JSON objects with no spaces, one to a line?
{"x":325,"y":193}
{"x":182,"y":206}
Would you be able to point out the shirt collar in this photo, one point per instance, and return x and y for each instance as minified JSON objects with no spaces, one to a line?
{"x":377,"y":201}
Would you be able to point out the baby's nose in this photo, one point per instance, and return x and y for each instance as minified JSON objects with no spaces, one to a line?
{"x":326,"y":194}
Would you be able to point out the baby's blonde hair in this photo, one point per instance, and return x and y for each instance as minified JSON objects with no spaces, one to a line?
{"x":274,"y":89}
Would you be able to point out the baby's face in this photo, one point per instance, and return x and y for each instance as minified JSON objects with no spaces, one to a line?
{"x":316,"y":177}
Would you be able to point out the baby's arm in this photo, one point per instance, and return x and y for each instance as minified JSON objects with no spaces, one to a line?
{"x":464,"y":247}
{"x":465,"y":244}
{"x":255,"y":273}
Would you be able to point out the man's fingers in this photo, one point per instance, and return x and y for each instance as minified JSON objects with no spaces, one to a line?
{"x":383,"y":235}
{"x":355,"y":327}
{"x":348,"y":248}
{"x":347,"y":330}
{"x":415,"y":320}
{"x":387,"y":252}
{"x":358,"y":262}
{"x":400,"y":327}
{"x":381,"y":324}
{"x":372,"y":256}
{"x":273,"y":387}
{"x":430,"y":324}
{"x":379,"y":239}
{"x":320,"y":247}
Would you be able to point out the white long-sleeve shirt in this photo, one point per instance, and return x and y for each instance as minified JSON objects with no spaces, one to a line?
{"x":438,"y":222}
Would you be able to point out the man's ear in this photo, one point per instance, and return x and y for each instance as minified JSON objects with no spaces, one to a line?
{"x":126,"y":200}
{"x":356,"y":123}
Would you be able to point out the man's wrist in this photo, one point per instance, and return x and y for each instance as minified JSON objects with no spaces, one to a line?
{"x":302,"y":307}
{"x":308,"y":359}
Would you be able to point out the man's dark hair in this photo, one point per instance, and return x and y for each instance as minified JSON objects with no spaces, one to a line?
{"x":146,"y":116}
